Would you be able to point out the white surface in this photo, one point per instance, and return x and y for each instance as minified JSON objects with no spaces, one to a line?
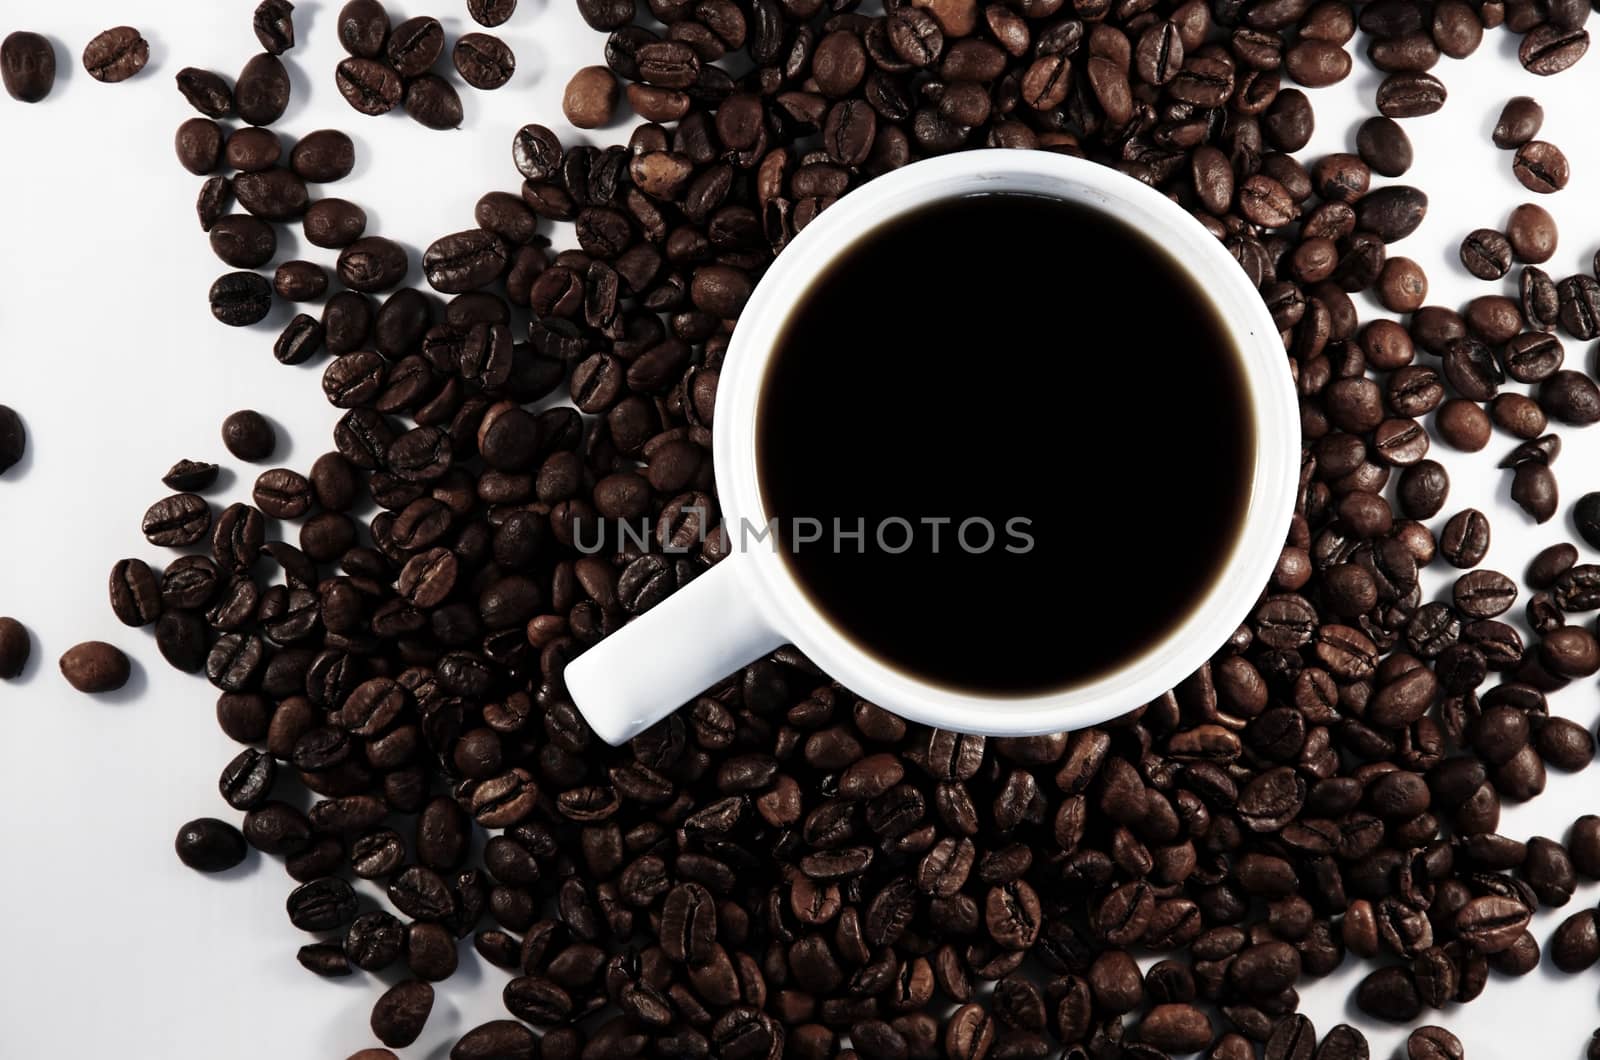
{"x":111,"y":947}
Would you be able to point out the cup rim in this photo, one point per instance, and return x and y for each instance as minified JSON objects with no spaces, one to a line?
{"x":1263,"y":361}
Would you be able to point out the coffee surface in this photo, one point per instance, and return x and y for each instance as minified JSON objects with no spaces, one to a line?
{"x":1005,"y":443}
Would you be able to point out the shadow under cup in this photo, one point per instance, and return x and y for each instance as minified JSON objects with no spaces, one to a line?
{"x":1005,"y":443}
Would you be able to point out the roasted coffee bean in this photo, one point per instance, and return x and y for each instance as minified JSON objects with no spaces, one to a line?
{"x":248,"y":435}
{"x":372,"y":264}
{"x":1532,"y":356}
{"x":334,"y":223}
{"x":1384,"y":146}
{"x":300,"y":281}
{"x":1575,"y":945}
{"x":207,"y":92}
{"x":1540,"y":166}
{"x":135,"y":593}
{"x":209,"y":845}
{"x":483,"y":61}
{"x":240,"y":298}
{"x":273,"y":23}
{"x":13,"y":438}
{"x":1433,"y":1043}
{"x":363,"y":27}
{"x":272,"y":194}
{"x":261,"y":94}
{"x":1486,"y":254}
{"x":370,"y":86}
{"x":1519,"y":122}
{"x":323,"y":959}
{"x":1465,"y":540}
{"x":400,"y":1014}
{"x":1550,"y":49}
{"x":1570,"y":397}
{"x":1483,"y":594}
{"x":282,"y":494}
{"x":1533,"y":487}
{"x":27,"y":66}
{"x":95,"y":667}
{"x":252,"y":150}
{"x":536,"y":152}
{"x":116,"y":55}
{"x":1410,"y":95}
{"x":1531,"y":231}
{"x":1519,"y":415}
{"x":323,"y":156}
{"x":591,"y":97}
{"x":177,"y":521}
{"x":1177,"y":1028}
{"x":491,"y":13}
{"x":433,"y":102}
{"x":302,"y":338}
{"x":212,"y":200}
{"x":322,"y":905}
{"x":198,"y":144}
{"x":414,"y":45}
{"x":464,"y":261}
{"x":15,"y":647}
{"x":500,"y":1040}
{"x":1389,"y":994}
{"x":243,"y":242}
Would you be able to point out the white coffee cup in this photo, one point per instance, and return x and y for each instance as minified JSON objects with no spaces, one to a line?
{"x":749,"y":603}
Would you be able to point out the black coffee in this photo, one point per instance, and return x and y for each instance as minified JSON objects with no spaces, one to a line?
{"x":1006,"y":443}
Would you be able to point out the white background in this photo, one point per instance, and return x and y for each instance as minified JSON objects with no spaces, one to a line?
{"x":108,"y":351}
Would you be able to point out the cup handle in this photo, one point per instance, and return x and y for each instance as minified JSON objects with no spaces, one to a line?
{"x":679,"y":648}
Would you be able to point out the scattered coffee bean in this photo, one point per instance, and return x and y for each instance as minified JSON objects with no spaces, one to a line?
{"x":491,"y":13}
{"x":1384,"y":146}
{"x":1463,"y":425}
{"x":15,"y":647}
{"x":414,"y":45}
{"x":13,"y":438}
{"x":483,"y":61}
{"x":368,"y":85}
{"x":207,"y":92}
{"x":363,"y":28}
{"x":1433,"y":1043}
{"x":432,"y":101}
{"x":240,"y":299}
{"x":1541,"y":167}
{"x":1520,"y":121}
{"x":1532,"y":233}
{"x":323,"y":156}
{"x":273,"y":23}
{"x":400,"y":1014}
{"x":198,"y":143}
{"x":116,"y":55}
{"x":95,"y":666}
{"x":209,"y":845}
{"x":1570,"y":397}
{"x":591,"y":98}
{"x":261,"y":94}
{"x":27,"y":66}
{"x":248,"y":435}
{"x":1486,"y":254}
{"x":1533,"y":487}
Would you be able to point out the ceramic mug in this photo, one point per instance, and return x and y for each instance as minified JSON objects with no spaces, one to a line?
{"x":749,"y":603}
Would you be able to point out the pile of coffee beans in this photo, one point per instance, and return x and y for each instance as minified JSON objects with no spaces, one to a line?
{"x":390,"y":66}
{"x":781,"y":867}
